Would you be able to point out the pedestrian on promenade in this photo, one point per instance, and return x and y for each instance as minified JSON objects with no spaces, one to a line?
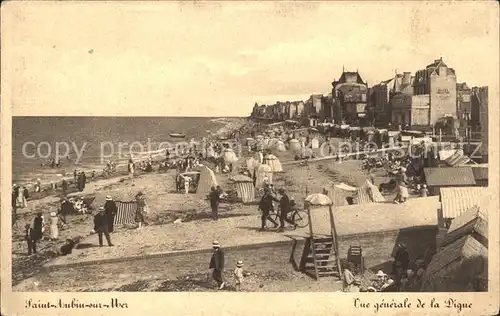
{"x":31,"y":239}
{"x":238,"y":275}
{"x":266,"y":206}
{"x":101,"y":226}
{"x":285,"y":208}
{"x":110,"y":211}
{"x":141,"y":206}
{"x":54,"y":229}
{"x":214,"y":198}
{"x":217,"y":264}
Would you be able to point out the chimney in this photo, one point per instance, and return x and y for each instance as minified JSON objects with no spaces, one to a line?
{"x":406,"y":78}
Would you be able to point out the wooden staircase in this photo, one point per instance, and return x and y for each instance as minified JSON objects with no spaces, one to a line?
{"x":323,"y":258}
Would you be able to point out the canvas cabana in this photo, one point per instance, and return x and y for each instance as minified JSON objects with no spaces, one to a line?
{"x":252,"y":164}
{"x":273,"y":162}
{"x":206,"y":180}
{"x":244,"y":188}
{"x":229,"y":156}
{"x":263,"y":171}
{"x":315,"y":143}
{"x":294,"y":145}
{"x":368,"y":193}
{"x":280,"y":146}
{"x":338,"y":194}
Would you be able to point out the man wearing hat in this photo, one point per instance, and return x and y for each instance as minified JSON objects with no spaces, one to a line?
{"x":266,"y":206}
{"x":217,"y":264}
{"x":110,"y":211}
{"x":101,"y":226}
{"x":284,"y":210}
{"x":401,"y":259}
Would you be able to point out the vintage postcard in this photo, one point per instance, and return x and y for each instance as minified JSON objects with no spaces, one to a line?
{"x":241,"y":158}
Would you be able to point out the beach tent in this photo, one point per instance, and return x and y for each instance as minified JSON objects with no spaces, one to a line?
{"x":252,"y":164}
{"x":338,"y":194}
{"x":229,"y":156}
{"x":368,"y":193}
{"x":273,"y":162}
{"x":315,"y":143}
{"x":244,"y":188}
{"x":280,"y":146}
{"x":294,"y":145}
{"x":263,"y":171}
{"x":207,"y":180}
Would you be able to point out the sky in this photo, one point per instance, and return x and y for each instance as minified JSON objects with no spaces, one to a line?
{"x":219,"y":58}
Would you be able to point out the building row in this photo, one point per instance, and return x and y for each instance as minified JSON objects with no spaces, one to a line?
{"x":428,"y":97}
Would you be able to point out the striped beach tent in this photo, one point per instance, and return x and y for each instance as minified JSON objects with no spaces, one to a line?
{"x":207,"y":180}
{"x":339,"y":193}
{"x":252,"y":164}
{"x":229,"y":156}
{"x":244,"y":188}
{"x":126,"y":212}
{"x":368,"y":193}
{"x":273,"y":162}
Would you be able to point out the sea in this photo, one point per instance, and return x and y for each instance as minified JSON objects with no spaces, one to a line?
{"x":34,"y":137}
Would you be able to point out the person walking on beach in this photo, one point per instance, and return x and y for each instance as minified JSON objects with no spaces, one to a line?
{"x":30,"y":238}
{"x":38,"y":228}
{"x":141,"y":205}
{"x":64,"y":186}
{"x":217,"y":264}
{"x":101,"y":227}
{"x":54,"y":230}
{"x":266,"y":206}
{"x":285,"y":208}
{"x":238,"y":275}
{"x":187,"y":182}
{"x":214,"y":198}
{"x":110,"y":211}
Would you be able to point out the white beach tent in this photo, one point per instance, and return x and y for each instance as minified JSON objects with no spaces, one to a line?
{"x":252,"y":164}
{"x":280,"y":146}
{"x":315,"y":143}
{"x":229,"y":156}
{"x":368,"y":193}
{"x":263,"y":171}
{"x":244,"y":188}
{"x":338,"y":194}
{"x":295,"y":145}
{"x":273,"y":162}
{"x":207,"y":180}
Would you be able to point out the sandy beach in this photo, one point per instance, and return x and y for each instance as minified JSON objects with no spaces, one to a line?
{"x":238,"y":223}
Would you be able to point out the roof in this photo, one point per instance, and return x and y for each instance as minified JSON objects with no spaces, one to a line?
{"x":480,"y":173}
{"x":375,"y":217}
{"x":472,"y":221}
{"x":449,"y":176}
{"x":465,"y":247}
{"x":455,"y":201}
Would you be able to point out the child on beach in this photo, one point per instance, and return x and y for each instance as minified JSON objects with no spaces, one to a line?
{"x":238,"y":275}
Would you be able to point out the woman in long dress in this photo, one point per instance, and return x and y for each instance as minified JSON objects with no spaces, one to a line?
{"x":141,"y":204}
{"x":54,"y":229}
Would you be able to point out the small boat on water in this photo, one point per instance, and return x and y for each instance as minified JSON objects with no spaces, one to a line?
{"x":177,"y":135}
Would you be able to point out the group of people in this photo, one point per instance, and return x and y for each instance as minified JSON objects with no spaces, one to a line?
{"x":405,"y":277}
{"x":216,"y":268}
{"x":80,"y":180}
{"x":34,"y":231}
{"x":266,"y":207}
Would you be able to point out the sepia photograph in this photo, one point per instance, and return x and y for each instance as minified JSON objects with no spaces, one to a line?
{"x":250,"y":147}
